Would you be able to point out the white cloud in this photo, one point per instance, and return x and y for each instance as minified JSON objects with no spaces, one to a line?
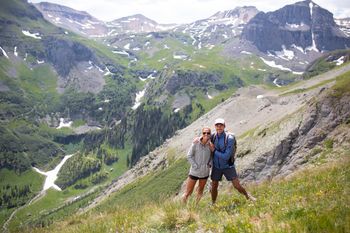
{"x":184,"y":11}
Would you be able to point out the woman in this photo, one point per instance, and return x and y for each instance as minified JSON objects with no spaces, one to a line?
{"x":199,"y":157}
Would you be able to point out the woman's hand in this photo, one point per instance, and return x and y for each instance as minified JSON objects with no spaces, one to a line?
{"x":211,"y":146}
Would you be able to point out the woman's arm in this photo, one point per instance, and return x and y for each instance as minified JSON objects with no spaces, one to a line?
{"x":190,"y":156}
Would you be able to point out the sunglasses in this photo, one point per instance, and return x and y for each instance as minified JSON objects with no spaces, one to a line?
{"x":206,"y":133}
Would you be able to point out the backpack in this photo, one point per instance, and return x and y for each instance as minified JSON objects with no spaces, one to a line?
{"x":227,"y":134}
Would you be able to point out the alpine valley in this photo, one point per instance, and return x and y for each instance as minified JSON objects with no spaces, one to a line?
{"x":97,"y":117}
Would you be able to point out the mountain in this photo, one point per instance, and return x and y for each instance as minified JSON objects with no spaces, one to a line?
{"x":117,"y":113}
{"x":219,"y":27}
{"x":303,"y":24}
{"x":292,"y":37}
{"x":344,"y":25}
{"x":280,"y":134}
{"x":77,"y":21}
{"x":136,"y":24}
{"x":86,"y":25}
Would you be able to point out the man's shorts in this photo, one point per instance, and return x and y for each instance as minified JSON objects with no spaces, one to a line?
{"x":229,"y":173}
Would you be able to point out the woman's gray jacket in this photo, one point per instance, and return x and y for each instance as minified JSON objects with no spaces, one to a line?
{"x":199,"y":156}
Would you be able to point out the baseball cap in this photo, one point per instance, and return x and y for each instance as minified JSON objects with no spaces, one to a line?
{"x":219,"y":121}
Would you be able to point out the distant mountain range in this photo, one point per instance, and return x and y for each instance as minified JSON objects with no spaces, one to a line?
{"x":84,"y":24}
{"x":289,"y":38}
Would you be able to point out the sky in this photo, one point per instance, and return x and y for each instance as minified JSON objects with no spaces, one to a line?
{"x":184,"y":11}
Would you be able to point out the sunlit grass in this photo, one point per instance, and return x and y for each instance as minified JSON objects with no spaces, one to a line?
{"x":313,"y":200}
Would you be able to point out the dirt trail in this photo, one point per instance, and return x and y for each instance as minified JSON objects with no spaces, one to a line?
{"x":242,"y":112}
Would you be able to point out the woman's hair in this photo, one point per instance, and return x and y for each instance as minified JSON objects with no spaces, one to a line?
{"x":206,"y":127}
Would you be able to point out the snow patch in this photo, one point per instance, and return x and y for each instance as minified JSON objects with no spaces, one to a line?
{"x":40,"y":61}
{"x":259,"y":96}
{"x":4,"y":52}
{"x":275,"y":82}
{"x":33,"y":35}
{"x":63,"y":124}
{"x":51,"y":176}
{"x":285,"y":54}
{"x":15,"y":51}
{"x":121,"y":52}
{"x":245,"y":52}
{"x":177,"y":109}
{"x":127,"y":46}
{"x":209,"y":96}
{"x":138,"y":98}
{"x":339,"y":61}
{"x":180,"y":57}
{"x":108,"y":72}
{"x":298,"y":48}
{"x":274,"y":65}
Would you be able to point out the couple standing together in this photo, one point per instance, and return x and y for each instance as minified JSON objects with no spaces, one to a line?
{"x":212,"y":151}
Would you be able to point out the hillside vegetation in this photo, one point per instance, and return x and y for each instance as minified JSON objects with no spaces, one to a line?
{"x":313,"y":200}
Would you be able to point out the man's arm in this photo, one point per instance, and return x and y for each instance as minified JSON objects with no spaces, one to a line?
{"x":225,"y":155}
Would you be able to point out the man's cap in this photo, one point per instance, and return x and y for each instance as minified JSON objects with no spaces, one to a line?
{"x":219,"y":121}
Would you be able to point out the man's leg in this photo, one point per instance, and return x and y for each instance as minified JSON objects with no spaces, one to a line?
{"x":189,"y":189}
{"x":214,"y":190}
{"x":239,"y":187}
{"x":201,"y":186}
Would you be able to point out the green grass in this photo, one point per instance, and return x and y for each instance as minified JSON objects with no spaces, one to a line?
{"x":342,"y":85}
{"x":302,"y":90}
{"x":78,"y":123}
{"x":313,"y":200}
{"x":151,"y":188}
{"x":9,"y":177}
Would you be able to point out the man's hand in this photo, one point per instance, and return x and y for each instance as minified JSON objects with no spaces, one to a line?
{"x":211,"y":146}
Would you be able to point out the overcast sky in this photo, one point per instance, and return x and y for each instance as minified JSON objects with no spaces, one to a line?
{"x":184,"y":11}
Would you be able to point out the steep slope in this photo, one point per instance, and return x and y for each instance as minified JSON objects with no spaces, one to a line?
{"x":294,"y":35}
{"x":77,"y":21}
{"x":305,"y":25}
{"x":219,"y":27}
{"x":287,"y":141}
{"x":245,"y":112}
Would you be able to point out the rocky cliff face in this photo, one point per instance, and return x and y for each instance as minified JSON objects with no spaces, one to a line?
{"x":303,"y":24}
{"x":307,"y":133}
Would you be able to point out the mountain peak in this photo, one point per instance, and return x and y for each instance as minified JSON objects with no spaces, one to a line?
{"x":139,"y":17}
{"x":235,"y":13}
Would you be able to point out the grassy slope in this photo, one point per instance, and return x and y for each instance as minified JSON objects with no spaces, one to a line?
{"x":53,"y":205}
{"x":313,"y":200}
{"x":26,"y":178}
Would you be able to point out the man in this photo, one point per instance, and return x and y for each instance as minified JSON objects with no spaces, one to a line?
{"x":222,"y":151}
